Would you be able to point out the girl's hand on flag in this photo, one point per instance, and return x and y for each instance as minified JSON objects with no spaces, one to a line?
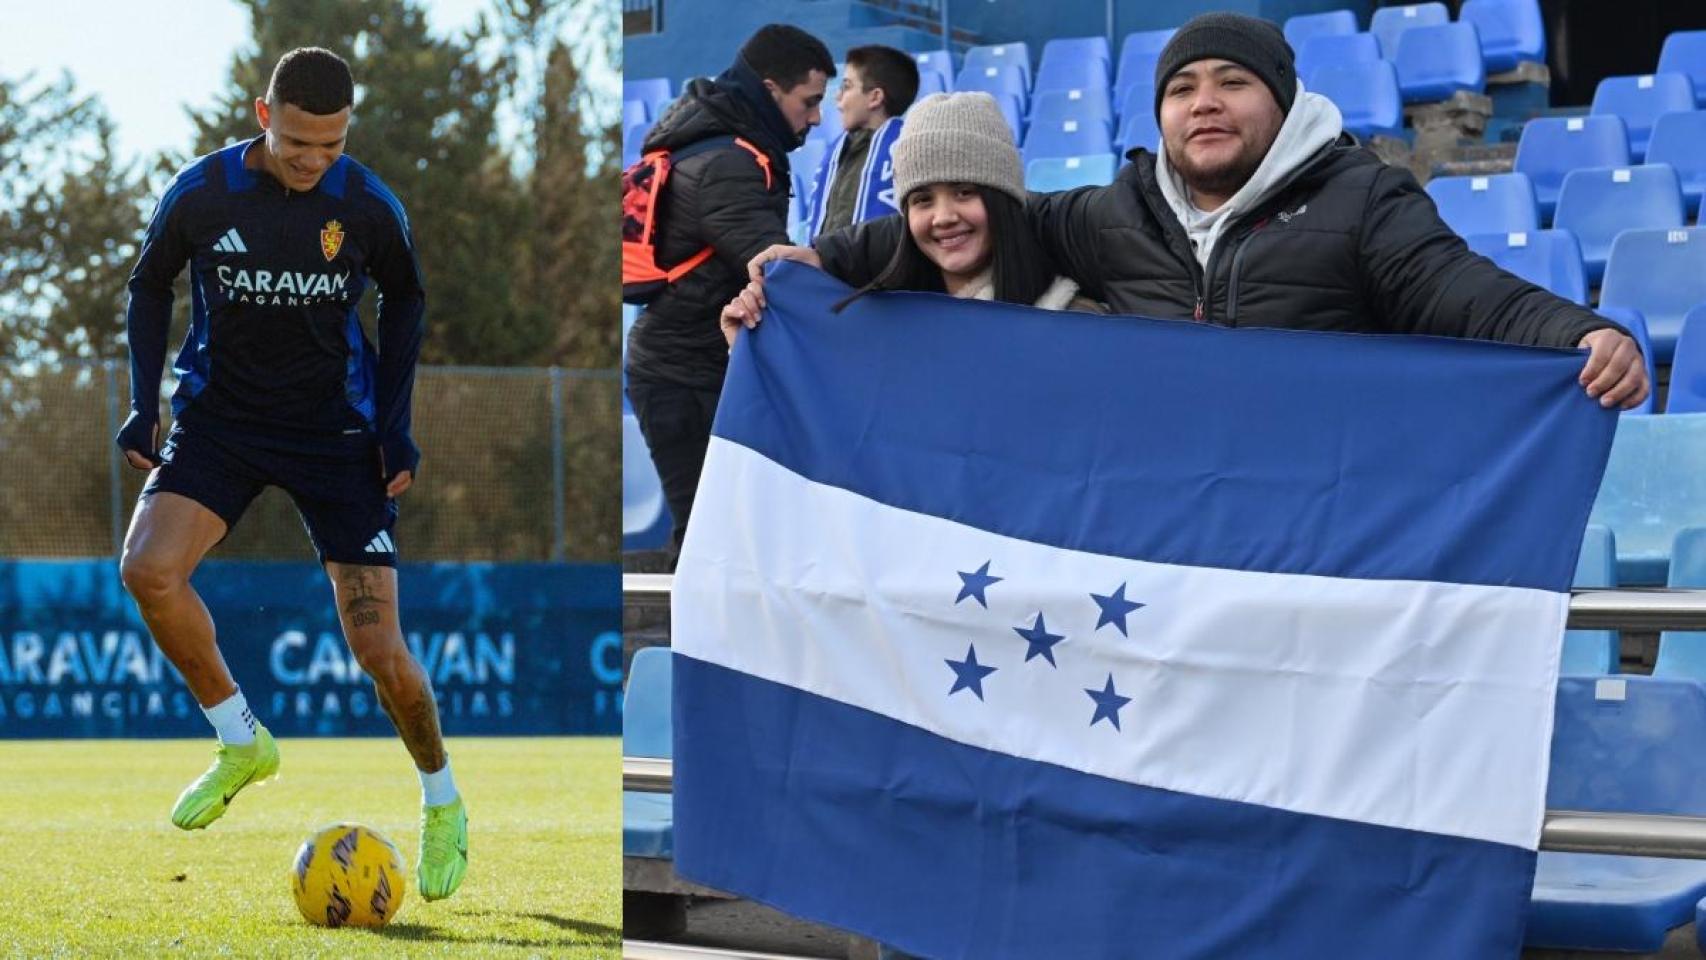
{"x":745,"y":310}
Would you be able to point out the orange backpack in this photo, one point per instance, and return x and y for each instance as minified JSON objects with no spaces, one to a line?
{"x":642,"y":195}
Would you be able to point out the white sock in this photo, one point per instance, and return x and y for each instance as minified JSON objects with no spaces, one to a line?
{"x":439,"y":787}
{"x":232,"y":720}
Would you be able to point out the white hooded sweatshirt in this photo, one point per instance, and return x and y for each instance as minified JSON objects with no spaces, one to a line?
{"x":1313,"y":123}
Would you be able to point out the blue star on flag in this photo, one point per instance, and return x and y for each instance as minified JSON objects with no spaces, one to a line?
{"x":1108,"y":703}
{"x":1115,"y":607}
{"x":1041,"y":641}
{"x":975,"y":583}
{"x":969,"y":674}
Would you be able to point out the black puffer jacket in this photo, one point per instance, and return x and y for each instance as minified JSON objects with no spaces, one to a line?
{"x":1349,"y":244}
{"x":716,"y":198}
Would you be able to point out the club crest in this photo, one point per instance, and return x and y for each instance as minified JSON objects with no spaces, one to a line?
{"x":332,"y":239}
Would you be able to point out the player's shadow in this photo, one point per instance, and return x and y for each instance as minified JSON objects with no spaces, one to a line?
{"x":576,"y":932}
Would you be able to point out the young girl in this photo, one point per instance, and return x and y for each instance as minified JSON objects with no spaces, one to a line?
{"x":962,"y":190}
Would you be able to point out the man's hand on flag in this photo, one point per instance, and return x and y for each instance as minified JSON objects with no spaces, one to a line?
{"x":1615,"y":373}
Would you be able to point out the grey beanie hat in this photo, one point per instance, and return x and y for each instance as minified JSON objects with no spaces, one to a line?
{"x":1251,"y":42}
{"x":957,"y":138}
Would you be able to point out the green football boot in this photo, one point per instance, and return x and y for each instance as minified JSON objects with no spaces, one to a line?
{"x":234,"y":768}
{"x":444,"y":849}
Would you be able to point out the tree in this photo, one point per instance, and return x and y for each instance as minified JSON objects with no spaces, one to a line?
{"x":70,"y":220}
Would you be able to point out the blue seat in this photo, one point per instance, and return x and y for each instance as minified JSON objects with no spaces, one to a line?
{"x":1073,"y":62}
{"x":1064,"y":74}
{"x":1655,"y":484}
{"x":1388,"y":23}
{"x":1304,"y":27}
{"x":799,"y":208}
{"x":929,"y":81}
{"x":829,"y":127}
{"x":1136,"y":92}
{"x":1013,"y":113}
{"x":807,"y":158}
{"x":1679,"y":139}
{"x":1436,"y":62}
{"x":999,"y":55}
{"x":1333,"y":50}
{"x":634,"y":111}
{"x":939,"y":62}
{"x":1139,"y":130}
{"x":1087,"y":106}
{"x":997,"y":80}
{"x":1598,"y":203}
{"x":1661,"y":273}
{"x":1069,"y":138}
{"x":1685,"y":52}
{"x":1066,"y":173}
{"x":1593,"y":651}
{"x":1135,"y":99}
{"x":1682,"y":653}
{"x":1366,"y":94}
{"x":630,"y":313}
{"x":1688,"y":365}
{"x":1553,"y":146}
{"x":1640,"y":101}
{"x":1545,"y":258}
{"x":1511,"y":31}
{"x":1636,"y":325}
{"x":1502,"y":203}
{"x":647,"y":90}
{"x":648,"y":819}
{"x":645,"y":513}
{"x":1138,"y":53}
{"x":1621,"y":745}
{"x":633,"y":138}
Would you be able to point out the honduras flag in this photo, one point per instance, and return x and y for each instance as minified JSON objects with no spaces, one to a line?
{"x":1004,"y":633}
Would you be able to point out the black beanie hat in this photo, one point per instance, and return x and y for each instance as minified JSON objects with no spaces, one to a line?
{"x":1251,"y":42}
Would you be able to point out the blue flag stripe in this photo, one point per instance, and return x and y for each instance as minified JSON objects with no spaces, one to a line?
{"x":839,"y":815}
{"x":1110,"y":435}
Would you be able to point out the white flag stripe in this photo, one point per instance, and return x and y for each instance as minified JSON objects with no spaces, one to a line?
{"x":1370,"y":700}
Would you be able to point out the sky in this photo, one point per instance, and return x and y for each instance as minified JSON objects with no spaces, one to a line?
{"x":143,"y":62}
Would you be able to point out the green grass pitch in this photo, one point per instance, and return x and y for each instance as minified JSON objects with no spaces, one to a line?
{"x":91,"y":866}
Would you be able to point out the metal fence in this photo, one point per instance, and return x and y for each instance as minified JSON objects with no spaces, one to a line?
{"x":517,"y":464}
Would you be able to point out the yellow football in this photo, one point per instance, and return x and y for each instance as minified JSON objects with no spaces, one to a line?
{"x":348,"y":875}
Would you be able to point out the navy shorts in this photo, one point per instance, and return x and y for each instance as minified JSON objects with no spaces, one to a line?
{"x":336,"y":487}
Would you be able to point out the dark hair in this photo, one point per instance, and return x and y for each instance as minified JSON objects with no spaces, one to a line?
{"x":1022,"y":268}
{"x":314,"y":79}
{"x":786,"y":55}
{"x":892,"y":71}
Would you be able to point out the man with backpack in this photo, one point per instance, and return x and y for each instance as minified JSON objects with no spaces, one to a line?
{"x":715,"y":197}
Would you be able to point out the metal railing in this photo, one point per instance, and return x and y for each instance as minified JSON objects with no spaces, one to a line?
{"x":1571,"y":831}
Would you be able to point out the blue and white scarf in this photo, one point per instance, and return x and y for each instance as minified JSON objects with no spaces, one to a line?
{"x":876,"y":180}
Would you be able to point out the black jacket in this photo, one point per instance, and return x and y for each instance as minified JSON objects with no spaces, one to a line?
{"x":1349,"y":244}
{"x":716,"y":198}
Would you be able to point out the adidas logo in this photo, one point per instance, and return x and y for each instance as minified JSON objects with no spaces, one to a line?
{"x":381,"y":543}
{"x":231,"y":243}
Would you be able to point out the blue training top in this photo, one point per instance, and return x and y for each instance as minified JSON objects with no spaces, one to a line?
{"x":274,"y":346}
